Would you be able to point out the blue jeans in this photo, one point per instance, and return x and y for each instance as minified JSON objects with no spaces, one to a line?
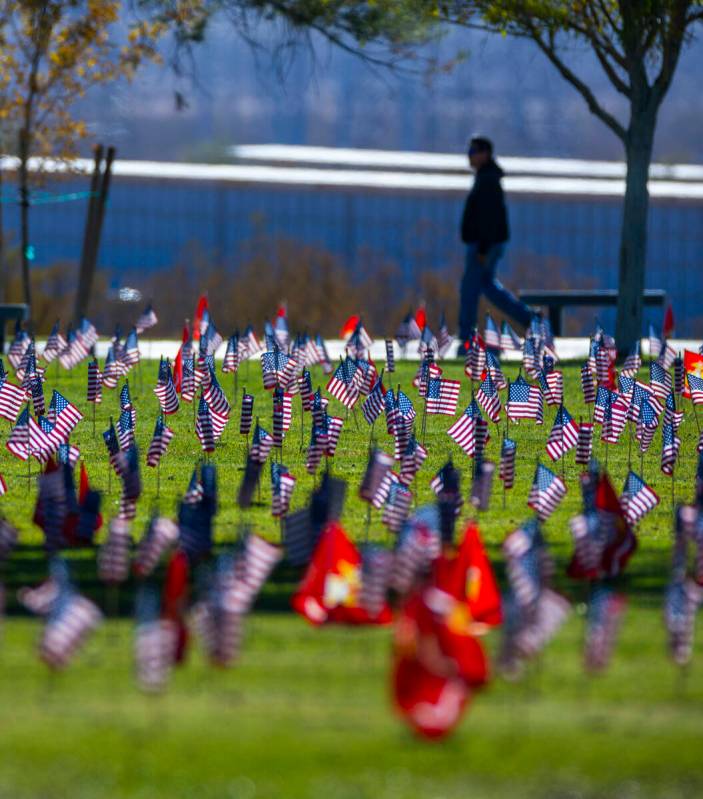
{"x":479,"y":278}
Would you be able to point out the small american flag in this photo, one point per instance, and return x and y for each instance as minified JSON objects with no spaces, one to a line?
{"x":463,"y":431}
{"x":444,"y":339}
{"x":70,"y":621}
{"x":147,"y":319}
{"x":160,"y":536}
{"x":475,"y":362}
{"x":647,"y":424}
{"x":552,"y":385}
{"x":425,"y":372}
{"x":67,"y":454}
{"x":305,"y":389}
{"x":524,"y":401}
{"x":443,"y":396}
{"x":509,"y":339}
{"x":165,"y":389}
{"x":344,"y":383}
{"x":373,"y":404}
{"x":488,"y":398}
{"x":316,"y":449}
{"x":37,"y":393}
{"x":679,"y":376}
{"x":214,"y":395}
{"x":490,"y":333}
{"x":563,"y":436}
{"x":670,"y":449}
{"x":659,"y":380}
{"x":130,"y":355}
{"x":94,"y":393}
{"x":584,"y":445}
{"x":605,"y":609}
{"x":655,"y":342}
{"x":602,"y":364}
{"x":633,"y":362}
{"x":494,"y":370}
{"x":204,"y":427}
{"x":12,"y":398}
{"x":18,"y":347}
{"x":112,"y":444}
{"x":333,"y":427}
{"x":614,"y":419}
{"x":247,"y":414}
{"x":397,"y":507}
{"x":54,"y":344}
{"x":282,"y":485}
{"x":637,"y":498}
{"x":159,"y":442}
{"x":667,"y":356}
{"x":273,"y":367}
{"x":113,"y":558}
{"x":230,"y":362}
{"x":531,"y":357}
{"x":413,"y":458}
{"x":378,"y":466}
{"x":587,"y":386}
{"x":682,"y":600}
{"x":506,"y":470}
{"x":445,"y":484}
{"x":671,"y":415}
{"x":390,"y":356}
{"x":695,"y":387}
{"x":126,"y":403}
{"x":408,"y":330}
{"x":546,"y":493}
{"x":260,"y":445}
{"x":125,"y":430}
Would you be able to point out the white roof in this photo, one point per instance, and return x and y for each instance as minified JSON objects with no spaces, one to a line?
{"x":395,"y":171}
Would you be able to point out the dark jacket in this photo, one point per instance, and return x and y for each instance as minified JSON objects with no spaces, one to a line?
{"x":485,"y":219}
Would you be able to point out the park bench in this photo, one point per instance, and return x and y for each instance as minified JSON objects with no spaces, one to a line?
{"x":11,"y":312}
{"x":555,"y":301}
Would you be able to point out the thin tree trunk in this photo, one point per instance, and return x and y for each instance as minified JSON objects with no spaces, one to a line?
{"x":633,"y":235}
{"x":24,"y":218}
{"x":3,"y":272}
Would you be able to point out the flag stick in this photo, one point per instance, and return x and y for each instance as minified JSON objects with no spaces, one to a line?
{"x":29,"y":449}
{"x":158,"y":477}
{"x":368,"y":523}
{"x":629,"y":446}
{"x":501,"y":458}
{"x":563,"y":454}
{"x":93,"y":420}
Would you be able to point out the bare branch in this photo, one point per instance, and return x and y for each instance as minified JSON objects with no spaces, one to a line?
{"x":594,"y":106}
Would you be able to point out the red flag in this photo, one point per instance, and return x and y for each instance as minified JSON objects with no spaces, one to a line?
{"x":330,"y":590}
{"x":467,"y":575}
{"x":178,"y":362}
{"x":199,"y":311}
{"x":668,"y":326}
{"x":349,"y":326}
{"x":175,"y":599}
{"x":421,"y":317}
{"x":693,"y":363}
{"x":282,"y":310}
{"x":439,"y":660}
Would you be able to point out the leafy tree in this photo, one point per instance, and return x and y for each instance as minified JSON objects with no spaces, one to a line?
{"x":51,"y":53}
{"x":636,"y":42}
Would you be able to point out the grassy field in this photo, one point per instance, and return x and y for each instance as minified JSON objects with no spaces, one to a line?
{"x":305,"y":713}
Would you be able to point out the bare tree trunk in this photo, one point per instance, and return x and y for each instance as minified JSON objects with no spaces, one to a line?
{"x":24,"y":218}
{"x":633,"y":235}
{"x":3,"y":271}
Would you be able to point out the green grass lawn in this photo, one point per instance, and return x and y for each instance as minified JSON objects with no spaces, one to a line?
{"x":305,"y":713}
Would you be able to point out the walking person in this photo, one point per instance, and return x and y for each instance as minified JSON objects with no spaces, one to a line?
{"x":484,"y":230}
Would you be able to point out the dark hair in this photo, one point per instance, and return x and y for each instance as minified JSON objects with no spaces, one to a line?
{"x":482,"y":144}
